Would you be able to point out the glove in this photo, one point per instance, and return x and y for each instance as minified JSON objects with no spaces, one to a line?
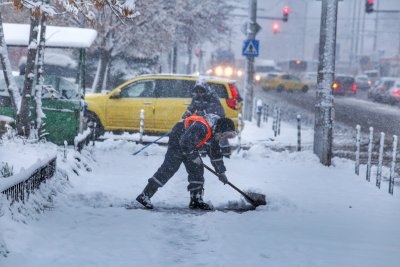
{"x":222,"y":177}
{"x":196,"y":159}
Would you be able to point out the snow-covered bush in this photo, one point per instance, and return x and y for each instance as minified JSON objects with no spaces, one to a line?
{"x":5,"y":170}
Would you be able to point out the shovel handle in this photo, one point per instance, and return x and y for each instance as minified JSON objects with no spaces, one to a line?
{"x":233,"y":186}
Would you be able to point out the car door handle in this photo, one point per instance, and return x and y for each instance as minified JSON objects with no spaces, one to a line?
{"x":147,"y":103}
{"x":187,"y":103}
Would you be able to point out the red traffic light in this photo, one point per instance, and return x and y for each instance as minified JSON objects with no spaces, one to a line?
{"x":285,"y":13}
{"x":286,"y":10}
{"x":369,"y":6}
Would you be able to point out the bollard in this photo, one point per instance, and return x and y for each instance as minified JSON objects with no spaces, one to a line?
{"x":393,"y":165}
{"x":358,"y":139}
{"x":265,"y":113}
{"x":141,"y":128}
{"x":239,"y":131}
{"x":65,"y":150}
{"x":94,"y":133}
{"x":275,"y":121}
{"x":371,"y":136}
{"x":259,"y":108}
{"x":380,"y":159}
{"x":279,"y":122}
{"x":298,"y":133}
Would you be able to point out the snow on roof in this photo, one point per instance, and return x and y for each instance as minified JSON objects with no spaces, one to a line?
{"x":265,"y":62}
{"x":18,"y":35}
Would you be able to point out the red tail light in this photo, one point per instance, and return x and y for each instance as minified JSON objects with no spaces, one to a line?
{"x":233,"y":102}
{"x":396,"y":92}
{"x":354,"y":87}
{"x":234,"y":91}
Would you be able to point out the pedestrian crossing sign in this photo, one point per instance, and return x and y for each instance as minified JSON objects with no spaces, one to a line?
{"x":250,"y":48}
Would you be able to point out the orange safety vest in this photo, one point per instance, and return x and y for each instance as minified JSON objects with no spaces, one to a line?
{"x":194,"y":118}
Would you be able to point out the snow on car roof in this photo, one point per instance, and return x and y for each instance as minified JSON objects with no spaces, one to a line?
{"x":18,"y":35}
{"x":208,"y":77}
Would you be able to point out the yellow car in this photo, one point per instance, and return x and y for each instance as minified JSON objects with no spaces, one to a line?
{"x":164,"y":99}
{"x":283,"y":82}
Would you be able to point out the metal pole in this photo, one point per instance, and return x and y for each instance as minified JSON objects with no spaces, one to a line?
{"x":324,"y":108}
{"x":356,"y":47}
{"x":374,"y":47}
{"x":298,"y":133}
{"x":393,"y":165}
{"x":362,"y":34}
{"x":380,"y":160}
{"x":371,"y":139}
{"x":279,"y":122}
{"x":141,"y":126}
{"x":249,"y":82}
{"x":353,"y":20}
{"x":358,"y":137}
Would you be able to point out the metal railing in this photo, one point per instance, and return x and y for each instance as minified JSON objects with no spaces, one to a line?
{"x":22,"y":190}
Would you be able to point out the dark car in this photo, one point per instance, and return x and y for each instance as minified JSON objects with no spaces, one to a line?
{"x":344,"y":85}
{"x":363,"y":82}
{"x":379,"y":91}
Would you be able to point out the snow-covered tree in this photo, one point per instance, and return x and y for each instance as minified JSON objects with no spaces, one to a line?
{"x":198,"y":23}
{"x":38,"y":9}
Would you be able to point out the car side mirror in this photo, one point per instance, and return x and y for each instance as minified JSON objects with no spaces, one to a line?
{"x":116,"y":95}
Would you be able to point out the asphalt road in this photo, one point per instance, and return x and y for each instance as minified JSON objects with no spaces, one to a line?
{"x":349,"y":111}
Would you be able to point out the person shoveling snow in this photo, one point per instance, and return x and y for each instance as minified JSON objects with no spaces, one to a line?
{"x":185,"y":139}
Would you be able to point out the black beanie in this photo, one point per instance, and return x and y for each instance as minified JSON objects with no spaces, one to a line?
{"x":224,"y":125}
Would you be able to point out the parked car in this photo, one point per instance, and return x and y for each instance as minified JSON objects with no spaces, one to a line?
{"x":284,"y":82}
{"x":311,"y":79}
{"x":379,"y":91}
{"x":363,"y":82}
{"x":344,"y":85}
{"x":164,"y":99}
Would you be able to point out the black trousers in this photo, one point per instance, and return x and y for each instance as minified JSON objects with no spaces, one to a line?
{"x":172,"y":161}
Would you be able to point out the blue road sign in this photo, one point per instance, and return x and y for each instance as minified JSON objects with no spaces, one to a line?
{"x":250,"y":48}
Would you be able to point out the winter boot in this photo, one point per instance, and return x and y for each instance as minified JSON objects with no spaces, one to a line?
{"x":196,"y":201}
{"x":144,"y":197}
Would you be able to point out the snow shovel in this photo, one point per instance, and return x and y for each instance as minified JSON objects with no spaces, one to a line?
{"x":254,"y":199}
{"x":137,"y":152}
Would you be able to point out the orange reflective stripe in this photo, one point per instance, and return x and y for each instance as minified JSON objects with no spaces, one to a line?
{"x":190,"y":119}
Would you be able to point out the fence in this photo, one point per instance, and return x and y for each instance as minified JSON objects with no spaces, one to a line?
{"x":18,"y":187}
{"x":380,"y":158}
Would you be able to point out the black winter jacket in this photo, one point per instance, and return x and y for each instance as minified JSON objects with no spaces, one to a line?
{"x":186,"y":140}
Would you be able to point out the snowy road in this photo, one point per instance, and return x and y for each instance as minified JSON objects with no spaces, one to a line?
{"x":316,"y":216}
{"x":349,"y":111}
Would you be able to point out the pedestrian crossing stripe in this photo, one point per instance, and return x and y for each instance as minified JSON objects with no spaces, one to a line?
{"x":250,"y":48}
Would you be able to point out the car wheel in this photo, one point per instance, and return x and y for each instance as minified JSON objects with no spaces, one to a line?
{"x":280,"y":88}
{"x":93,"y":121}
{"x":304,"y":89}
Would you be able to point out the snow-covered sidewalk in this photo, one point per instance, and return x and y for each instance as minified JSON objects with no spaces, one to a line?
{"x":316,"y":215}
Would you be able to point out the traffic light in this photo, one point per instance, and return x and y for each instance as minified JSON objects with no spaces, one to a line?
{"x":369,"y":6}
{"x":276,"y":28}
{"x":285,"y":14}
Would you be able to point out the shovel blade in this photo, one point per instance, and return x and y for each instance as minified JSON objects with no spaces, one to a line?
{"x":256,"y":199}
